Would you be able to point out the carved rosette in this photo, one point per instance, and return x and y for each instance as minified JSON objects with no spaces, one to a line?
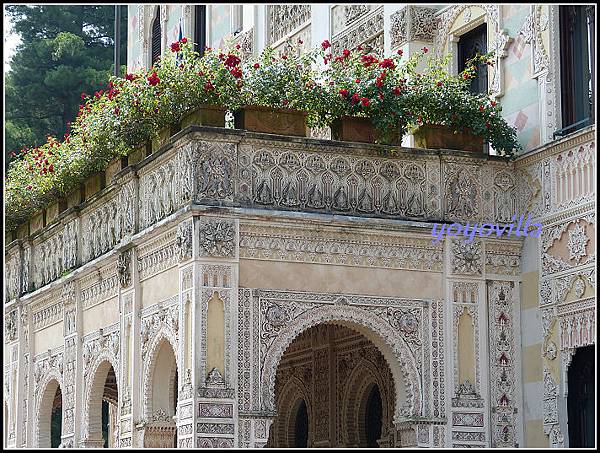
{"x":217,"y":238}
{"x":467,"y":257}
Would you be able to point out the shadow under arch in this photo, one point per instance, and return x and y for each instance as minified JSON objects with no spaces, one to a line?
{"x":402,"y":364}
{"x":96,"y":392}
{"x":52,"y":387}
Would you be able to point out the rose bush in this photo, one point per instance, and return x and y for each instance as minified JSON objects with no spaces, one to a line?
{"x":131,"y":110}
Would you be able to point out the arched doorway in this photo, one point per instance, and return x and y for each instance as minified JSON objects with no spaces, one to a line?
{"x":581,"y":398}
{"x":161,"y":398}
{"x":102,"y":410}
{"x":333,"y":388}
{"x":50,"y":416}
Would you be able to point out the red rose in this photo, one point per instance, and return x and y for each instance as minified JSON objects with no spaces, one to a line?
{"x":355,"y":97}
{"x":285,"y":102}
{"x":488,"y":125}
{"x":481,"y":108}
{"x":153,"y":79}
{"x":339,"y":59}
{"x":425,"y":50}
{"x":28,"y":187}
{"x":493,"y":103}
{"x":439,"y":84}
{"x":236,"y":72}
{"x":400,"y":52}
{"x":357,"y":80}
{"x":346,"y":53}
{"x":344,"y":92}
{"x":465,"y":76}
{"x":51,"y":168}
{"x":175,"y":47}
{"x":300,"y":41}
{"x":284,"y":57}
{"x":83,"y":96}
{"x":208,"y":86}
{"x":232,"y":60}
{"x":368,"y":60}
{"x":387,"y":63}
{"x":184,"y":40}
{"x":325,"y":44}
{"x":256,"y":66}
{"x":237,"y":46}
{"x":397,"y":91}
{"x":364,"y":101}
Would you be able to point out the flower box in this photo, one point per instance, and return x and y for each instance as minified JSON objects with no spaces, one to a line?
{"x":164,"y":135}
{"x":271,"y":121}
{"x":205,"y":115}
{"x":434,"y":136}
{"x":114,"y":167}
{"x":38,"y":221}
{"x":75,"y":197}
{"x":54,"y":209}
{"x":139,"y":153}
{"x":95,"y":183}
{"x":360,"y":129}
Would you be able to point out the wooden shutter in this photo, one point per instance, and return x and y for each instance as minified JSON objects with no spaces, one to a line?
{"x":156,"y":38}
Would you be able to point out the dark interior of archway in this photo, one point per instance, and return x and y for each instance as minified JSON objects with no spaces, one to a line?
{"x":110,"y":396}
{"x":373,"y":416}
{"x":56,"y":420}
{"x":301,"y":427}
{"x":326,"y":366}
{"x":580,"y":399}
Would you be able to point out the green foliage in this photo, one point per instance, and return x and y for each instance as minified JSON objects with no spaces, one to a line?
{"x":64,"y":50}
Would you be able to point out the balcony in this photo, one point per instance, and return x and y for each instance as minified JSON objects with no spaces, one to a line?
{"x":241,"y":171}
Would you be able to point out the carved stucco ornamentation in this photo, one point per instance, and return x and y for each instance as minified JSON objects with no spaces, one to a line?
{"x":10,"y":326}
{"x":216,"y":171}
{"x":366,"y":31}
{"x":124,"y":268}
{"x":183,"y":241}
{"x":412,"y":23}
{"x":577,"y":243}
{"x":467,"y":257}
{"x":216,"y":238}
{"x":285,"y":19}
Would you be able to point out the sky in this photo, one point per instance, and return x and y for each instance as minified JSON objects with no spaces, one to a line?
{"x":11,"y":41}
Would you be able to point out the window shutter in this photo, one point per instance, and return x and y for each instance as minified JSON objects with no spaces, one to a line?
{"x":156,"y":38}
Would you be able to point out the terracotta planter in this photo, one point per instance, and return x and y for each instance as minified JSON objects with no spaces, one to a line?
{"x":94,"y":183}
{"x":271,"y":121}
{"x":435,"y":137}
{"x":360,"y":129}
{"x":205,"y":115}
{"x":139,"y":153}
{"x":164,"y":135}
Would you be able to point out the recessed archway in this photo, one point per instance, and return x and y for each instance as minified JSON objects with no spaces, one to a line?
{"x":333,"y":388}
{"x":102,"y":407}
{"x":161,"y":397}
{"x":50,"y":416}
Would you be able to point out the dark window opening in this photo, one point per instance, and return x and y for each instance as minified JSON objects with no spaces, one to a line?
{"x":471,"y":44}
{"x":156,"y":38}
{"x":200,"y":28}
{"x":577,"y":60}
{"x":301,"y":427}
{"x":373,"y":416}
{"x":580,"y":399}
{"x":105,"y":423}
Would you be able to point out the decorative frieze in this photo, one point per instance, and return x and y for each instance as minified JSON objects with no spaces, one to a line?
{"x":216,"y":237}
{"x":285,"y":19}
{"x":366,"y":31}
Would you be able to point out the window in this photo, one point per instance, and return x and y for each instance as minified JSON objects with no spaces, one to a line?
{"x":469,"y":45}
{"x":577,"y":55}
{"x":237,"y":19}
{"x":156,"y":38}
{"x":200,"y":28}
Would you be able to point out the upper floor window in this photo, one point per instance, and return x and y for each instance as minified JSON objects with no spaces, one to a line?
{"x":156,"y":38}
{"x":577,"y":54}
{"x":469,"y":45}
{"x":200,"y":28}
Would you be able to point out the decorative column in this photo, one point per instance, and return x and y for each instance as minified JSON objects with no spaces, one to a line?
{"x":215,"y":315}
{"x":11,"y":372}
{"x":72,"y":372}
{"x":187,"y":302}
{"x":124,"y":417}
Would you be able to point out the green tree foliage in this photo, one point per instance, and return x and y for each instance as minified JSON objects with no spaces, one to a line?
{"x":64,"y":51}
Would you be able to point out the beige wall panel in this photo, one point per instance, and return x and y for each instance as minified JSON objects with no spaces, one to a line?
{"x":534,"y":434}
{"x":49,"y":338}
{"x":530,"y":292}
{"x":342,"y":279}
{"x":101,"y":315}
{"x":532,"y":363}
{"x":159,"y":287}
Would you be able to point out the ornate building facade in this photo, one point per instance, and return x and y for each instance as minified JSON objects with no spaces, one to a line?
{"x":236,"y":289}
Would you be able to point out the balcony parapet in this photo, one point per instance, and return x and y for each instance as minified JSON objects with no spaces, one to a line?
{"x":203,"y":166}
